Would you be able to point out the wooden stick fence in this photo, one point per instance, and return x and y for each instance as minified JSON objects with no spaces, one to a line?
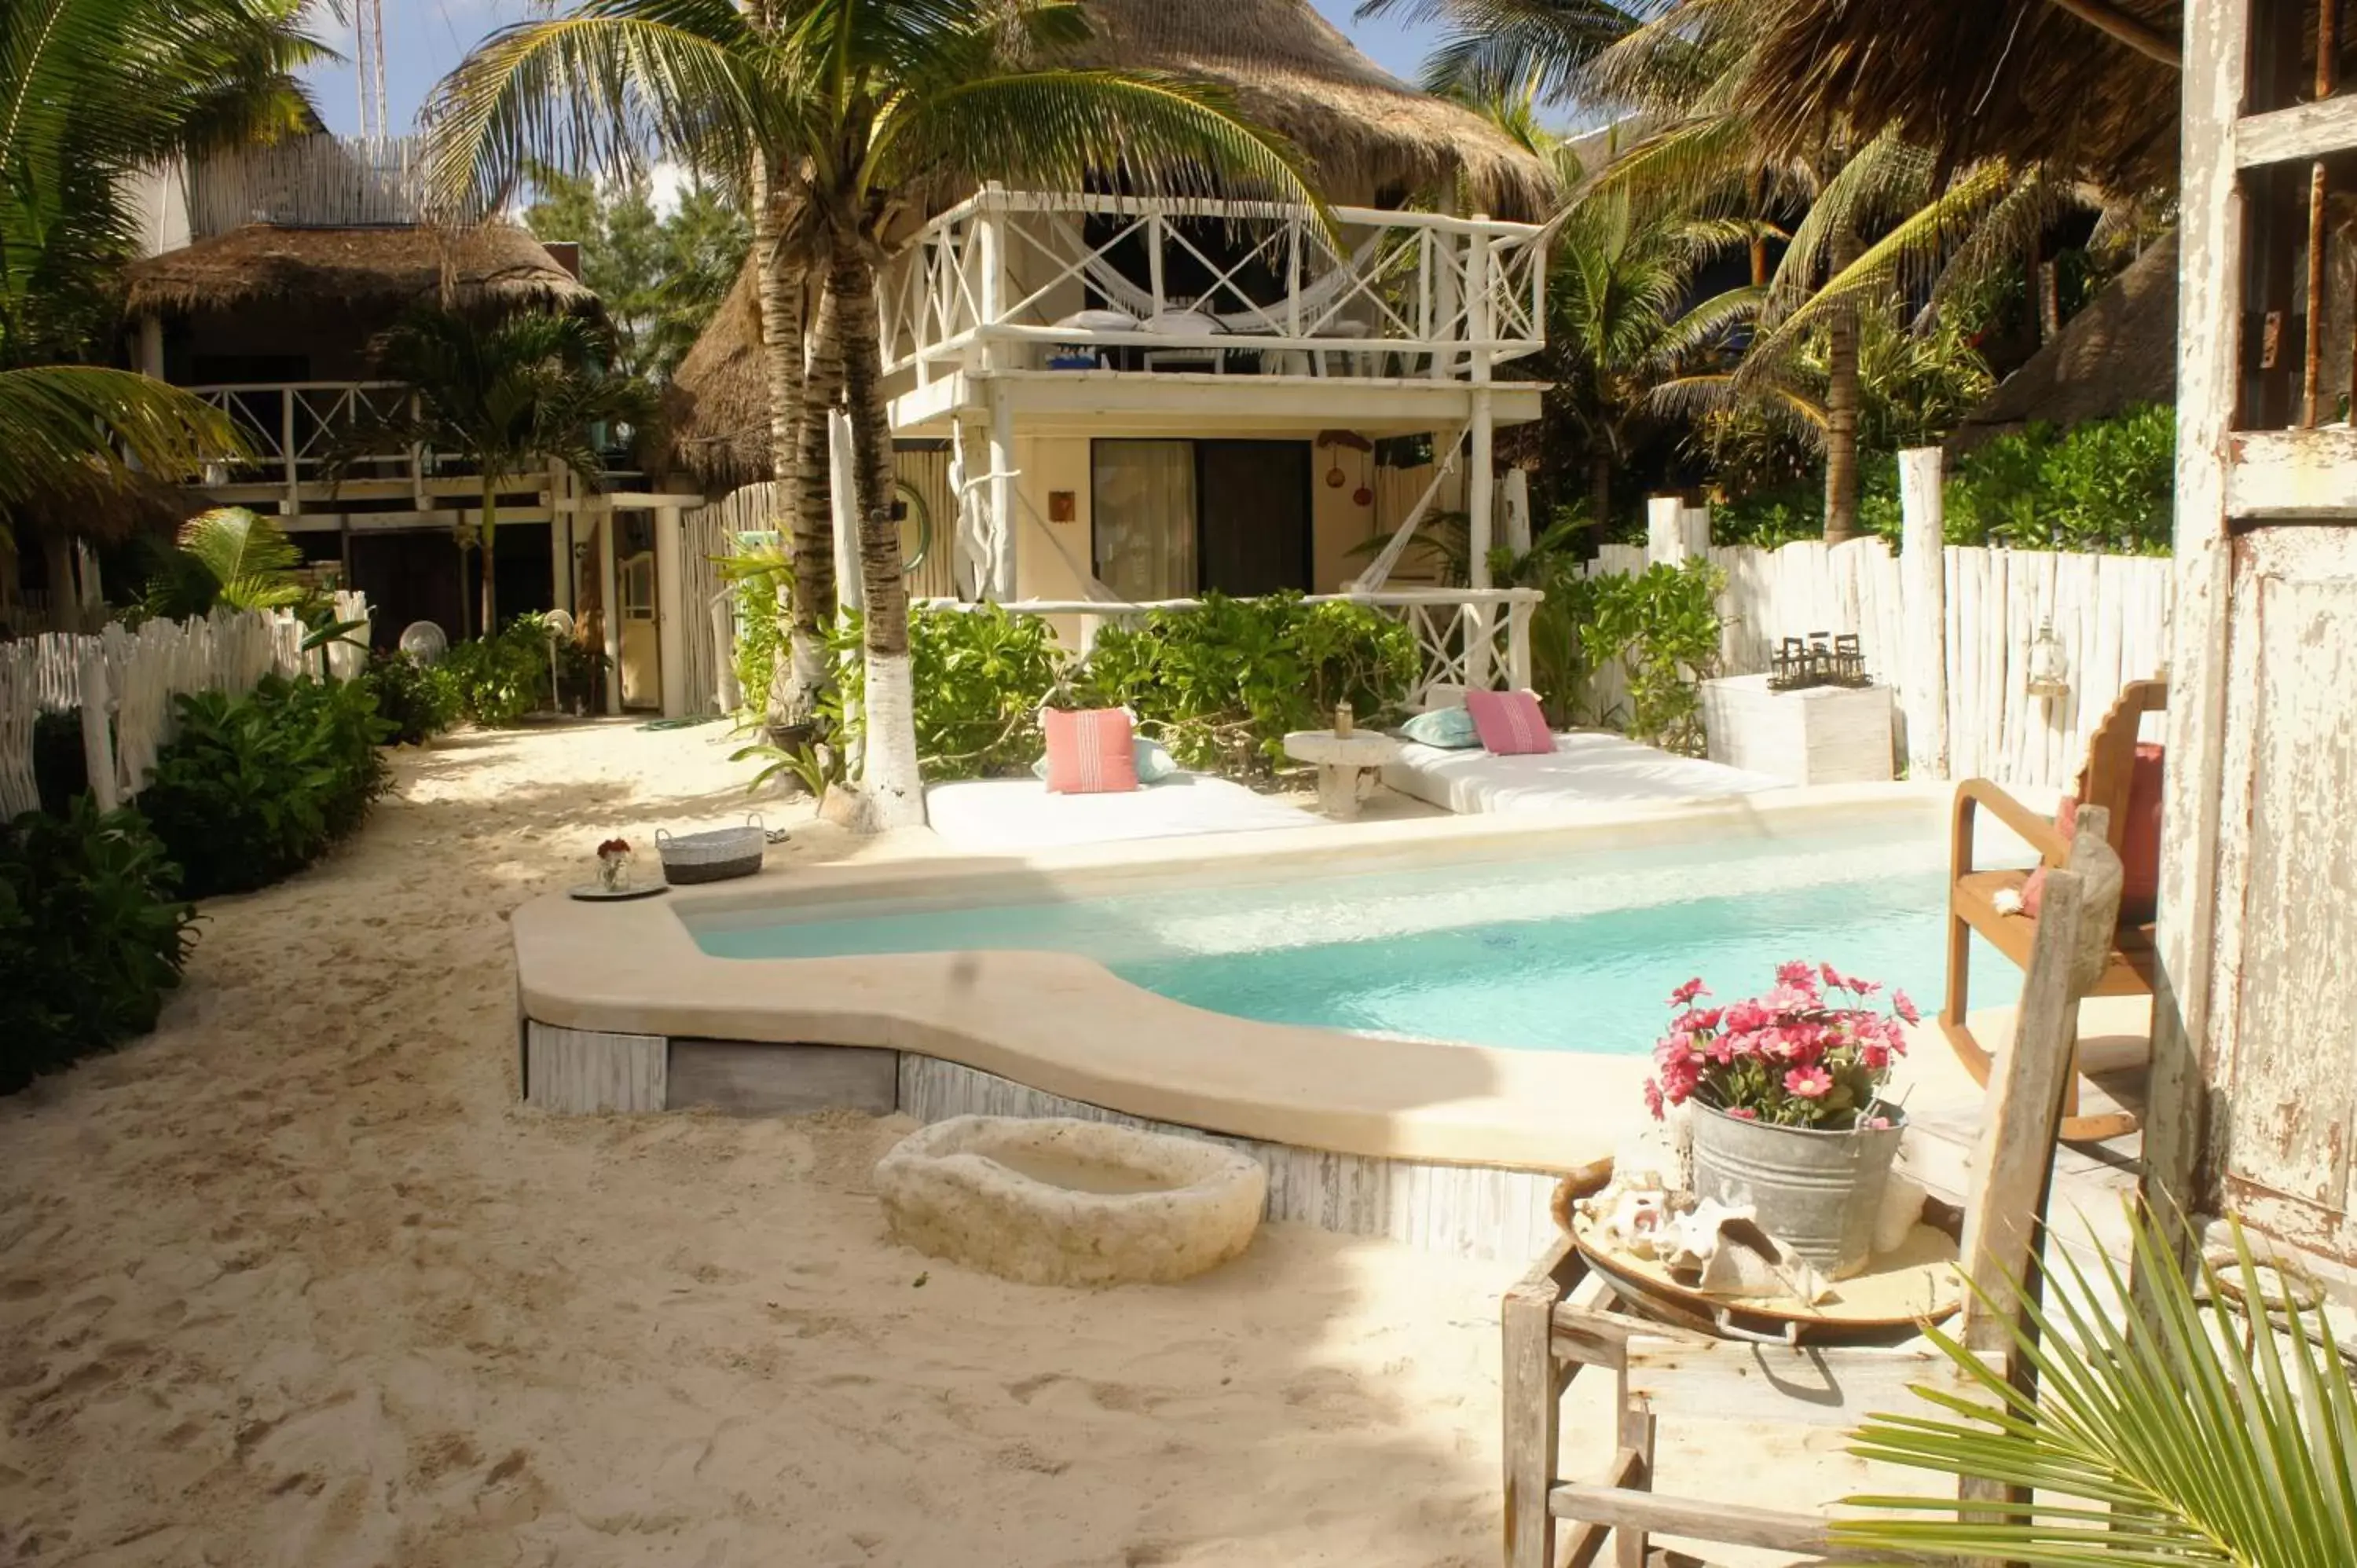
{"x":125,"y":681}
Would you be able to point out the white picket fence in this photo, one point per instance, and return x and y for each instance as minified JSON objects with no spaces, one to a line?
{"x":135,"y":676}
{"x":2109,"y":614}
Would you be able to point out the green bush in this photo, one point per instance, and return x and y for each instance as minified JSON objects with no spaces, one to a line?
{"x":92,"y":936}
{"x":499,"y":679}
{"x":1660,"y":624}
{"x":255,"y":788}
{"x":1221,"y":684}
{"x":417,"y":701}
{"x":980,"y":676}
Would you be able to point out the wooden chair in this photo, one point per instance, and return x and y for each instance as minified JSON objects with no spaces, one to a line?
{"x":2105,"y":782}
{"x":1563,"y":1316}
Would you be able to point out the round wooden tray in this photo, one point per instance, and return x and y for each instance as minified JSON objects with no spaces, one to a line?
{"x":1916,"y":1284}
{"x":590,"y":893}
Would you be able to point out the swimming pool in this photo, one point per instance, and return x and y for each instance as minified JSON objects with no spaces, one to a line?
{"x":1555,"y":952}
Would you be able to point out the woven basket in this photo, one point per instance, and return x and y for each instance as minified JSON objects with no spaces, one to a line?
{"x":712,"y":856}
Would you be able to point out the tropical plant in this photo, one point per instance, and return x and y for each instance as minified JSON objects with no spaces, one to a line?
{"x":847,"y":113}
{"x":92,"y":936}
{"x":1808,"y":1053}
{"x":980,"y":676}
{"x":417,"y":702}
{"x":1221,"y":683}
{"x":763,"y":577}
{"x":2109,"y":485}
{"x":504,"y":395}
{"x":2179,"y":1421}
{"x":495,"y":681}
{"x":97,"y":93}
{"x":254,"y":788}
{"x":249,"y":564}
{"x":658,"y":276}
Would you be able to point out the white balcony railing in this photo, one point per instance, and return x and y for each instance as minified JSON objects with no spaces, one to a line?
{"x":1003,"y":280}
{"x":1467,"y":639}
{"x":301,"y":432}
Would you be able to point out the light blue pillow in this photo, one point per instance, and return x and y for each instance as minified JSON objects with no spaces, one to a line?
{"x":1450,"y":729}
{"x":1153,"y":762}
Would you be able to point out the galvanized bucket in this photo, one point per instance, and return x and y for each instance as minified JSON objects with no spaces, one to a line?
{"x":1817,"y":1192}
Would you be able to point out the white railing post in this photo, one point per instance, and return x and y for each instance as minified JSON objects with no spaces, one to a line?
{"x":291,"y":469}
{"x":1153,"y":262}
{"x":1480,"y":477}
{"x":1518,"y":643}
{"x":97,"y":739}
{"x":990,"y":251}
{"x":1924,"y":566}
{"x":1293,"y":275}
{"x":1675,"y":532}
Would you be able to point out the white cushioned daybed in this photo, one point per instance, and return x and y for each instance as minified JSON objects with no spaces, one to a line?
{"x":1588,"y":767}
{"x":1020,"y":813}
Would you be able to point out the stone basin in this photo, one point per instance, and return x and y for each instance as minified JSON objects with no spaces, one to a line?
{"x":1054,"y":1200}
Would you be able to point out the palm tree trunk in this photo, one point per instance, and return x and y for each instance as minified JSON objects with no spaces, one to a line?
{"x":490,"y":560}
{"x":1841,"y":404}
{"x":892,"y":793}
{"x":812,"y":498}
{"x":799,"y":670}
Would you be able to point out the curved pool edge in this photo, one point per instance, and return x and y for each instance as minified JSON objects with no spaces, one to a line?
{"x":1066,"y":1026}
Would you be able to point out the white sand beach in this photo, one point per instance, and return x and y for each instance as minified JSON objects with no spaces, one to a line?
{"x":296,"y":1281}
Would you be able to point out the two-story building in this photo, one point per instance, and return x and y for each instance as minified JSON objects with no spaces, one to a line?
{"x":1103,"y":401}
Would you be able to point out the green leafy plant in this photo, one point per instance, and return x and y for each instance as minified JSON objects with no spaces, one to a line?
{"x":2107,"y":485}
{"x":2211,"y":1422}
{"x":250,"y":564}
{"x":981,"y":675}
{"x":498,"y":679}
{"x":1661,"y":625}
{"x":254,"y":789}
{"x":92,"y":936}
{"x":763,"y":575}
{"x":815,"y":769}
{"x":417,"y":702}
{"x":1221,"y":684}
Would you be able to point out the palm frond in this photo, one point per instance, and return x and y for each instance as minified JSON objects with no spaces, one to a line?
{"x":1503,"y":48}
{"x":61,"y":424}
{"x":246,"y":556}
{"x":2174,"y":1430}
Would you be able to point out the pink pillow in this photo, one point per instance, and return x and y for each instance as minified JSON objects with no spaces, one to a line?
{"x":2140,"y":848}
{"x":1089,"y":752}
{"x":1508,"y":723}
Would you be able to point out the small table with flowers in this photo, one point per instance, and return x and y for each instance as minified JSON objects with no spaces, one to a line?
{"x":1346,"y":765}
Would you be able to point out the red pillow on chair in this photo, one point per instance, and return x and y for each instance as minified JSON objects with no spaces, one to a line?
{"x":1508,"y":723}
{"x":1089,"y":752}
{"x":2139,"y":847}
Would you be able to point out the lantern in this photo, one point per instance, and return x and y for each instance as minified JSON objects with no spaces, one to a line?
{"x":2049,"y":675}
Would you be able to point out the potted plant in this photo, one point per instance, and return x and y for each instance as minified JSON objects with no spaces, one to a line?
{"x":1788,"y":1115}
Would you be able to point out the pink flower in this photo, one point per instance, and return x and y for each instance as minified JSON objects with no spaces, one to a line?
{"x":1687,"y":992}
{"x":1904,"y":1008}
{"x":1874,"y":1056}
{"x":1653,"y":1098}
{"x":1808,"y":1082}
{"x":1743,"y":1113}
{"x":1796,"y":972}
{"x":1875,"y":1123}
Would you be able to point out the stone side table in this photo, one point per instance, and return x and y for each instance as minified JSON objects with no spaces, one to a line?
{"x":1344,"y":764}
{"x":1822,"y":735}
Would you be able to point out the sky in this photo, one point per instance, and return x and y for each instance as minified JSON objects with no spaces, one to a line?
{"x":424,"y":38}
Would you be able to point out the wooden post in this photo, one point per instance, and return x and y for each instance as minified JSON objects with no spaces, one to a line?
{"x":291,"y":470}
{"x":991,"y":259}
{"x":671,"y":613}
{"x":97,"y":736}
{"x":1480,"y":478}
{"x":999,"y":579}
{"x":610,"y":610}
{"x":1675,"y":532}
{"x":1923,"y":567}
{"x":2209,"y":366}
{"x":850,"y":586}
{"x":1531,"y":1405}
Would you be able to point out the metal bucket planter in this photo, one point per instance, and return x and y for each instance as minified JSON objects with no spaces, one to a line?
{"x":1817,"y":1192}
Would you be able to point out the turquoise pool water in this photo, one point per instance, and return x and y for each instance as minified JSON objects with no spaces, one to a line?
{"x":1565,"y":952}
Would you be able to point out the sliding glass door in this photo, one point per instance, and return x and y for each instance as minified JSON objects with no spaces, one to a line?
{"x":1143,"y":511}
{"x":1173,"y":519}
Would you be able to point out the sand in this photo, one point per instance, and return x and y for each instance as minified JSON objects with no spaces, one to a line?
{"x":296,"y":1281}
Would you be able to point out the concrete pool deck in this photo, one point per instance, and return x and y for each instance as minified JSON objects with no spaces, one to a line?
{"x":621,"y":1010}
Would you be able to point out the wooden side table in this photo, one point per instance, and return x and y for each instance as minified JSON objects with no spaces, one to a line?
{"x":1345,"y":764}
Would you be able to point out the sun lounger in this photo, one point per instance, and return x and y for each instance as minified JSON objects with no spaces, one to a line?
{"x":989,"y":814}
{"x":1587,"y":769}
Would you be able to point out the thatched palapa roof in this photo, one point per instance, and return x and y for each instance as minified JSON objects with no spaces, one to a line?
{"x":2119,"y":352}
{"x":364,"y":269}
{"x":2074,"y":83}
{"x":1371,"y":139}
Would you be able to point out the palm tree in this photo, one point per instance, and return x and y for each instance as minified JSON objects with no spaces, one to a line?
{"x":853,"y":116}
{"x":2217,"y":1427}
{"x":1618,"y":324}
{"x":505,"y":395}
{"x":94,"y":93}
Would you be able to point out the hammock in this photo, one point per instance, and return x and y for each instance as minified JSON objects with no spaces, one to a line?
{"x":1314,"y":301}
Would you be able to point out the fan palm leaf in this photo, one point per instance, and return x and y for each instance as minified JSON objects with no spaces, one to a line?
{"x":2185,"y":1432}
{"x":63,"y":426}
{"x":248,"y":559}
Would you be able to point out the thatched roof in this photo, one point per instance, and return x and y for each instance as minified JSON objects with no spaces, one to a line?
{"x":368,"y":269}
{"x":2119,"y":352}
{"x":1370,"y":136}
{"x":2023,"y":79}
{"x":716,"y":413}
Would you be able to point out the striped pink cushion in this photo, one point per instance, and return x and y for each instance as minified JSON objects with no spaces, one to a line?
{"x":1089,"y":752}
{"x":1508,"y":723}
